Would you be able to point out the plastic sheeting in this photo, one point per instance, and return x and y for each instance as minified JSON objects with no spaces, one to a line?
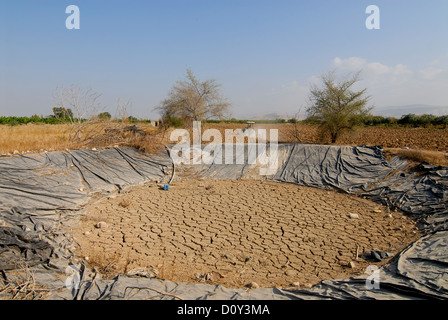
{"x":39,"y":193}
{"x":421,"y":192}
{"x":344,"y":168}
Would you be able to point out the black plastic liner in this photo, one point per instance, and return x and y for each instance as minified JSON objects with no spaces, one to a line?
{"x":39,"y":193}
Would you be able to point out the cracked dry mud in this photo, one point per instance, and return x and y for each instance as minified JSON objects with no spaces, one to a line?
{"x":238,"y":232}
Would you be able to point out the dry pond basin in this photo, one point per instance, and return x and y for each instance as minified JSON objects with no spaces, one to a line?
{"x":238,"y":233}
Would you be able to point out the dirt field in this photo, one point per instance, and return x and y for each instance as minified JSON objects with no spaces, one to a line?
{"x":37,"y":137}
{"x":415,"y":144}
{"x":238,"y":232}
{"x":413,"y":138}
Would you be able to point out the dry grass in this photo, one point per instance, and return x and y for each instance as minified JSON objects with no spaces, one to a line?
{"x":150,"y":144}
{"x":44,"y":137}
{"x":107,"y":265}
{"x":21,"y":285}
{"x":33,"y":137}
{"x":433,"y":157}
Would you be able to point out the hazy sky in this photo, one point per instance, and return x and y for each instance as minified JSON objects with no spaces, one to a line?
{"x":264,"y":53}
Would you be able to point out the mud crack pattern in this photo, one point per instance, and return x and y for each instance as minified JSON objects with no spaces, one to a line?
{"x":239,"y":232}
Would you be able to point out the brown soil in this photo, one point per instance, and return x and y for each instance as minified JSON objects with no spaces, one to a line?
{"x":413,"y":138}
{"x":237,"y":232}
{"x":21,"y":139}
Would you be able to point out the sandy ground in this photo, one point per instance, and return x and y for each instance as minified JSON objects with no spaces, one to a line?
{"x":238,"y":232}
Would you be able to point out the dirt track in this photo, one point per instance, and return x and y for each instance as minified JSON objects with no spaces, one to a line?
{"x":237,"y":232}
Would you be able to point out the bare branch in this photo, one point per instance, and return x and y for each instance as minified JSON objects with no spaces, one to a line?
{"x":192,"y":100}
{"x":83,"y":105}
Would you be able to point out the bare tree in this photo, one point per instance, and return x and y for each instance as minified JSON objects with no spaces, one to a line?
{"x":124,"y":110}
{"x":193,"y":100}
{"x":296,"y":134}
{"x":336,"y":105}
{"x":84,"y":104}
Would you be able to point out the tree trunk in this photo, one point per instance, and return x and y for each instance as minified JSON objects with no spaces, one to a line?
{"x":334,"y":136}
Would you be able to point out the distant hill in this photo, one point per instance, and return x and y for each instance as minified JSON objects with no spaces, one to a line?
{"x":418,"y":109}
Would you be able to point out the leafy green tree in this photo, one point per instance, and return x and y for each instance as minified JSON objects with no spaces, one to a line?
{"x":171,"y":121}
{"x":62,"y":113}
{"x":408,"y":119}
{"x":426,"y":120}
{"x":442,"y":120}
{"x":336,"y":105}
{"x":104,"y":116}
